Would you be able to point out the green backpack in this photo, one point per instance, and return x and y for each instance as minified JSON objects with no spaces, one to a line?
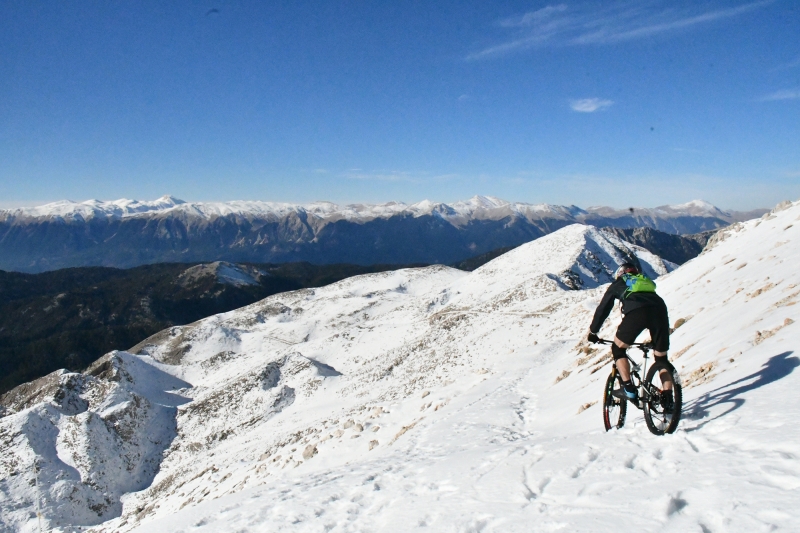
{"x":638,"y":283}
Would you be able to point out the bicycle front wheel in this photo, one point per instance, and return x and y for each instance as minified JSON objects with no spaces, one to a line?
{"x":614,"y":408}
{"x":661,"y":415}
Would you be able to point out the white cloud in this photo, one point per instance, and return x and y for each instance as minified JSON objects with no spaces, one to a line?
{"x":533,"y":17}
{"x":378,"y":176}
{"x":787,"y":94}
{"x":559,"y":25}
{"x":589,"y":105}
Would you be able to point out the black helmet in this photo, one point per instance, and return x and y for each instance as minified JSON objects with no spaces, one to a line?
{"x":626,"y":268}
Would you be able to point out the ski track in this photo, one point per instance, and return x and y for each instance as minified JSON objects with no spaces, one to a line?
{"x":497,"y":438}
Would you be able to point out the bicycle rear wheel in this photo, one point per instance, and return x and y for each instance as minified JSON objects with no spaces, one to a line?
{"x":614,"y":408}
{"x":661,"y":420}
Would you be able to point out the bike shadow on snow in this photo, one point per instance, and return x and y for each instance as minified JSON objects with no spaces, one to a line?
{"x":777,"y":367}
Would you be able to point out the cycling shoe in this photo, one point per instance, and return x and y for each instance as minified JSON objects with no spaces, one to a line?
{"x":626,"y":393}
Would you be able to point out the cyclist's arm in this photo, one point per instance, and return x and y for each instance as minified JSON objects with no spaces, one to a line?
{"x":605,"y":307}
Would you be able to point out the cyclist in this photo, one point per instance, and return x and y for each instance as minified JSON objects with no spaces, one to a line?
{"x":642,"y":309}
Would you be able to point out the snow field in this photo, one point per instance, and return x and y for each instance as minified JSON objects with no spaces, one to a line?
{"x":436,"y":400}
{"x":513,"y":451}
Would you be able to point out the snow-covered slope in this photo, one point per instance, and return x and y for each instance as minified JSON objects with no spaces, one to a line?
{"x":93,"y":437}
{"x":437,"y":400}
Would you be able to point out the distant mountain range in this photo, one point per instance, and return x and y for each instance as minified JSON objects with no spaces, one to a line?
{"x":128,"y":233}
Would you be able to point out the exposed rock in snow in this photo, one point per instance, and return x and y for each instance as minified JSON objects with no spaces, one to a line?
{"x":96,"y":436}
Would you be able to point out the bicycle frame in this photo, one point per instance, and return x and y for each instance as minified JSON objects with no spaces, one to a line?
{"x":635,"y":368}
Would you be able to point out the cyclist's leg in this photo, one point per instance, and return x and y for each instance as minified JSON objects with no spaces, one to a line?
{"x":620,"y":359}
{"x":631,"y":326}
{"x":658,"y":325}
{"x":665,"y":374}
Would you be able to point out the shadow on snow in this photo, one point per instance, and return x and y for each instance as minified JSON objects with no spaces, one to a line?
{"x":777,"y":367}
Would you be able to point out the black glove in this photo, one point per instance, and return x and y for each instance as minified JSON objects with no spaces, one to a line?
{"x":593,"y":338}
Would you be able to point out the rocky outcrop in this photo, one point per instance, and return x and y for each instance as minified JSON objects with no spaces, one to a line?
{"x":95,"y":435}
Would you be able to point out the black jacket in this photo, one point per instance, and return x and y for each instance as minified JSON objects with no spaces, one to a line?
{"x":616,"y":291}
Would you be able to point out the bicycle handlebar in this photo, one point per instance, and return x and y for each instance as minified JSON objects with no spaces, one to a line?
{"x":647,"y":345}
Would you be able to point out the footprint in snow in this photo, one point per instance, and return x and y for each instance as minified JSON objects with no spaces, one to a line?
{"x":591,"y":456}
{"x":676,"y":504}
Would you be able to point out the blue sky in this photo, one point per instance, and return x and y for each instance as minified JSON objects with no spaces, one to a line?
{"x":617,"y":103}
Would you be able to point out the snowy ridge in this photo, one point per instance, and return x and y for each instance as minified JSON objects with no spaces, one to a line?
{"x":577,"y":257}
{"x":96,"y":436}
{"x":93,"y":208}
{"x":437,"y":400}
{"x":224,"y":272}
{"x":477,"y":207}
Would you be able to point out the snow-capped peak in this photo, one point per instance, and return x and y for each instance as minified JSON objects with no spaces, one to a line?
{"x":170,"y":200}
{"x":487,"y":202}
{"x":697,"y":207}
{"x":702,"y":204}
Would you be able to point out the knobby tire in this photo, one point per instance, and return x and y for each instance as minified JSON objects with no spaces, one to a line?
{"x":659,"y":421}
{"x":614,"y":409}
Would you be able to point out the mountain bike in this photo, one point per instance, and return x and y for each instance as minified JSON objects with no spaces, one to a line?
{"x":659,"y":420}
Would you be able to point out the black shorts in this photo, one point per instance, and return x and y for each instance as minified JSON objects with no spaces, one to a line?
{"x":653,"y":318}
